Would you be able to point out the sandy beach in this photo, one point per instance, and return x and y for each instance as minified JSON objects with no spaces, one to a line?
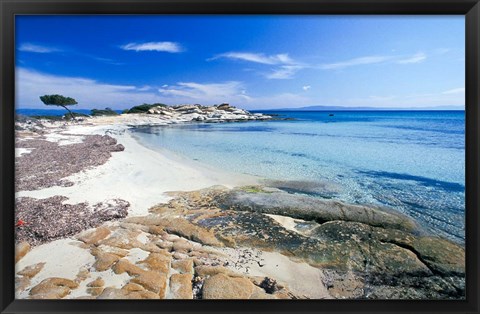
{"x":171,"y":227}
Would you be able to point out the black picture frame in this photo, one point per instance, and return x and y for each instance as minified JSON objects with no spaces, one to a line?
{"x":10,"y":8}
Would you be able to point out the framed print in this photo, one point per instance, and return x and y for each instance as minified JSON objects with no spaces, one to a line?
{"x":213,"y":156}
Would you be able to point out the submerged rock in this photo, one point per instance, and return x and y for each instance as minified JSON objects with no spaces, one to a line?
{"x":311,"y":208}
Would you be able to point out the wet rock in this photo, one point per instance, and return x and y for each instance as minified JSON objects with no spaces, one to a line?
{"x":181,"y":286}
{"x":223,"y":287}
{"x":310,"y":208}
{"x":322,"y":189}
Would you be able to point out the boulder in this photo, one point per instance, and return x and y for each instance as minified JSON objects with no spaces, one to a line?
{"x":223,"y":287}
{"x":52,"y":288}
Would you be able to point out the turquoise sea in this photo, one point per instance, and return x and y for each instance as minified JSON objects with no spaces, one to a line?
{"x":410,"y":161}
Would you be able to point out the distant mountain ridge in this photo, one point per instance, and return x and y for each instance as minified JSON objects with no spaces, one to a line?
{"x":340,"y":108}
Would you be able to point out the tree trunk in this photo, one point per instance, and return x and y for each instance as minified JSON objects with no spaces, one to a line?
{"x":71,"y":113}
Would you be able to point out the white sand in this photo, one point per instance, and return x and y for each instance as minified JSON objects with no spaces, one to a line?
{"x":138,"y":175}
{"x":63,"y":258}
{"x":301,"y":278}
{"x":288,"y":223}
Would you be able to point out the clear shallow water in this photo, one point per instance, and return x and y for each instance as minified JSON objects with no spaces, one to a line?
{"x":413,"y":162}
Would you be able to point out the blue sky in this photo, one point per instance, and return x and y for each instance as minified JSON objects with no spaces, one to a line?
{"x":253,"y":62}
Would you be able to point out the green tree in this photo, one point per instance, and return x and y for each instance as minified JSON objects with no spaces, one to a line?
{"x":59,"y":100}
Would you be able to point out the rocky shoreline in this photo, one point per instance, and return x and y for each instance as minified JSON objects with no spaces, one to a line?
{"x":258,"y":241}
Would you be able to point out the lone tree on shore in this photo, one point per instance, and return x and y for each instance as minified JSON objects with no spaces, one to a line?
{"x":59,"y":100}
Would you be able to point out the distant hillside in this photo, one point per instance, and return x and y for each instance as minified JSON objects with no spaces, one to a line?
{"x":340,"y":108}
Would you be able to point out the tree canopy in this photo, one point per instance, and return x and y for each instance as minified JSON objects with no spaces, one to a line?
{"x":58,"y":100}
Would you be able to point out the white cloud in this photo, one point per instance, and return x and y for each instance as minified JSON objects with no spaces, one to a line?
{"x":284,"y":72}
{"x":262,"y":58}
{"x":30,"y":85}
{"x":206,"y":94}
{"x":377,"y":59}
{"x":306,"y":87}
{"x":416,"y":58}
{"x":89,"y":93}
{"x":29,"y":47}
{"x":460,"y":90}
{"x":161,"y":46}
{"x":355,"y":61}
{"x":285,"y":66}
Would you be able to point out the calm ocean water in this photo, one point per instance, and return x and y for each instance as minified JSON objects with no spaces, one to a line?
{"x":413,"y":162}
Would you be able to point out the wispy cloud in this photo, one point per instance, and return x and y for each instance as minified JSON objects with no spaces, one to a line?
{"x":209,"y":93}
{"x":355,"y":61}
{"x":161,"y":46}
{"x":459,"y":90}
{"x":284,"y":72}
{"x":29,"y":47}
{"x":376,"y":59}
{"x":416,"y":58}
{"x":284,"y":66}
{"x":262,"y":58}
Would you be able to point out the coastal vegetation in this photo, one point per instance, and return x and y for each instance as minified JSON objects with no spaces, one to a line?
{"x":103,"y":112}
{"x":143,"y":108}
{"x":59,"y":100}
